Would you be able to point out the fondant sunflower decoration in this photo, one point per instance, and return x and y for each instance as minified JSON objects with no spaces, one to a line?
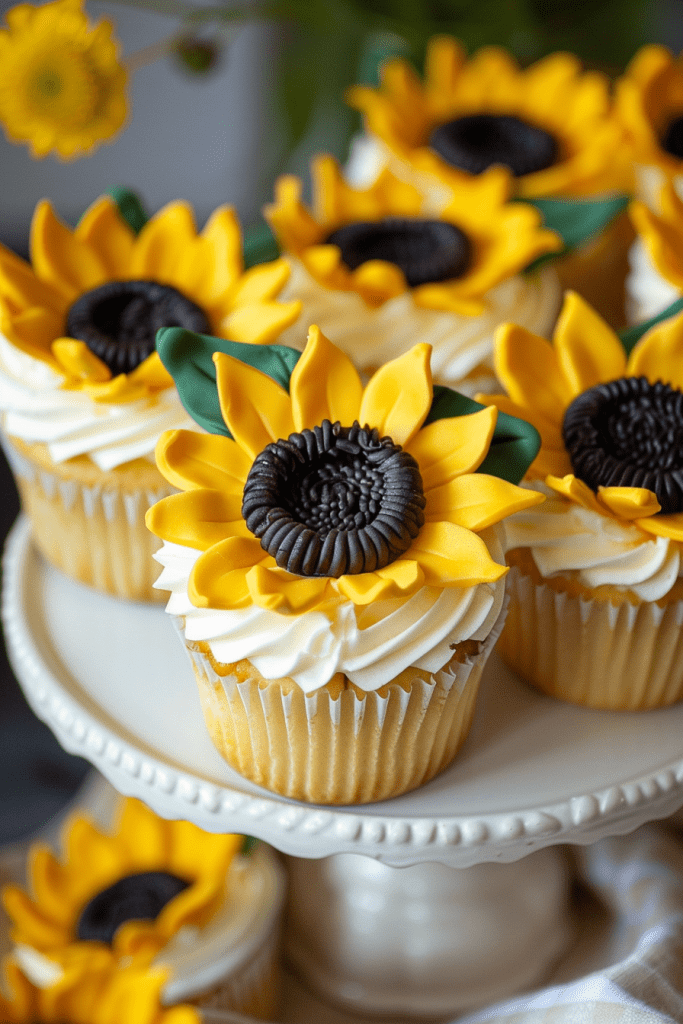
{"x":91,"y":301}
{"x":312,"y":489}
{"x":649,"y":103}
{"x":121,"y":895}
{"x":662,"y":232}
{"x":62,"y":86}
{"x":377,"y":242}
{"x":551,"y":124}
{"x":611,"y":424}
{"x":88,"y":992}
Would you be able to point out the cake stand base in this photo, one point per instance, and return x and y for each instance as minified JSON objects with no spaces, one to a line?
{"x":429,"y":940}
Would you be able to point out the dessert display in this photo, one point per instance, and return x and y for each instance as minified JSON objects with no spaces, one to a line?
{"x":597,"y":567}
{"x":194,"y":916}
{"x":334,"y":560}
{"x":83,"y":395}
{"x":376,"y":271}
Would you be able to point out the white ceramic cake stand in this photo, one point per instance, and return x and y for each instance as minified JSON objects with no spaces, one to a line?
{"x":112,"y":681}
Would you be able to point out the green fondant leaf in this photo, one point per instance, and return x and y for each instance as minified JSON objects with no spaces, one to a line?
{"x":130,"y":207}
{"x":576,"y":220}
{"x":249,"y":844}
{"x":515,"y":443}
{"x":260,"y":245}
{"x":188,"y":357}
{"x":633,"y":335}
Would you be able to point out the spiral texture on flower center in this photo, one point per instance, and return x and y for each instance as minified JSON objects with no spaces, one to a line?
{"x":119,"y":320}
{"x":139,"y":897}
{"x":629,"y":433}
{"x":672,"y":140}
{"x":425,"y":250}
{"x":334,"y":500}
{"x":478,"y":141}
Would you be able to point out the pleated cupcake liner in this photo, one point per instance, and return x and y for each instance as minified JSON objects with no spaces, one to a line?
{"x":353,"y":748}
{"x":620,"y":657}
{"x":94,"y":534}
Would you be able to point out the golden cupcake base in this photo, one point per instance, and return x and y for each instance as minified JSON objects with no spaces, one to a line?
{"x":88,"y":523}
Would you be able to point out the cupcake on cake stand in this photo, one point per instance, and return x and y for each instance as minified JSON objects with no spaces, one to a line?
{"x":111,"y":681}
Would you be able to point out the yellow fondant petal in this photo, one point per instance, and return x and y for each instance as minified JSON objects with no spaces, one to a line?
{"x":377,"y":281}
{"x":296,"y":595}
{"x":451,"y":556}
{"x":60,"y":258}
{"x":260,"y":323}
{"x":189,"y":459}
{"x":76,"y":360}
{"x":477,"y":500}
{"x":151,"y":374}
{"x":256,"y":410}
{"x":324,"y":385}
{"x":264,"y":281}
{"x":218,"y":579}
{"x":588,"y":351}
{"x":399,"y":396}
{"x":451,"y":447}
{"x":629,"y":502}
{"x":659,"y":354}
{"x":33,"y":331}
{"x":32,"y":927}
{"x":663,"y":526}
{"x":162,"y":243}
{"x":105,"y":231}
{"x":20,"y":286}
{"x":575,"y":490}
{"x":196,"y":519}
{"x":50,"y":886}
{"x":143,"y":833}
{"x":529,"y":368}
{"x":400,"y":578}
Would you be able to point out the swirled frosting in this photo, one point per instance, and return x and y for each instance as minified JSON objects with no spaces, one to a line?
{"x":35,"y":408}
{"x":370,"y":645}
{"x":595,"y":550}
{"x":373,"y":336}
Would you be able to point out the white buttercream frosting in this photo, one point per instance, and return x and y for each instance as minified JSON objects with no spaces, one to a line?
{"x":593,"y":549}
{"x":371,"y":645}
{"x":35,"y":407}
{"x":374,"y":335}
{"x":647,"y":292}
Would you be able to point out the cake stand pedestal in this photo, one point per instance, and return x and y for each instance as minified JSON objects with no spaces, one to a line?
{"x":113,"y":683}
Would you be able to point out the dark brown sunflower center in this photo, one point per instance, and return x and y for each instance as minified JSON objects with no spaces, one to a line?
{"x":425,"y":250}
{"x":478,"y":141}
{"x":119,"y":320}
{"x":139,"y":897}
{"x":334,"y":500}
{"x":629,"y":433}
{"x":672,"y":140}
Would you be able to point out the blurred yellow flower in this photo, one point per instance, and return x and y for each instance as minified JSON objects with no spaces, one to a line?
{"x":62,"y":87}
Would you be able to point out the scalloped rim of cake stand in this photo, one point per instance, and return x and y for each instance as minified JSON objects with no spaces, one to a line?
{"x":386,"y":832}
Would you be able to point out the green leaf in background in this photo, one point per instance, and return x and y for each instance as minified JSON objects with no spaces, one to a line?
{"x":515,"y":443}
{"x":576,"y":220}
{"x":130,"y":207}
{"x":249,"y":844}
{"x":260,"y":245}
{"x":188,"y":357}
{"x":630,"y":337}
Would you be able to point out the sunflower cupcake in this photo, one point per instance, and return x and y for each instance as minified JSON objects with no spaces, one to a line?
{"x":596,"y":594}
{"x":151,"y":895}
{"x":333,"y":561}
{"x":551,"y":124}
{"x":375,"y":271}
{"x":89,"y":993}
{"x":656,"y":276}
{"x":83,"y":395}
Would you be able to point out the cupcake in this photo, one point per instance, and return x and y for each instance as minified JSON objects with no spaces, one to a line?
{"x":553,"y":125}
{"x":655,"y":280}
{"x":200,"y":911}
{"x":334,"y":561}
{"x":375,"y":271}
{"x":595,"y":590}
{"x":83,"y":395}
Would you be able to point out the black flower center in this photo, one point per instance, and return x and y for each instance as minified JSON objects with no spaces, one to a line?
{"x":672,"y":140}
{"x":629,"y":433}
{"x":478,"y":141}
{"x":119,"y":320}
{"x":134,"y":898}
{"x":334,"y":500}
{"x":425,"y":250}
